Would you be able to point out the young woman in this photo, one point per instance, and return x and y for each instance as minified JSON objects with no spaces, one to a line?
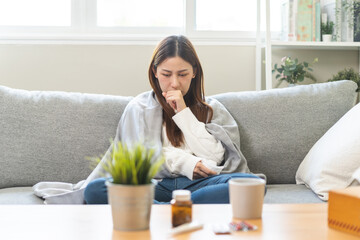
{"x":198,"y":137}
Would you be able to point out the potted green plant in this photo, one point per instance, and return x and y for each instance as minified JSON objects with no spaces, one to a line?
{"x":327,"y":31}
{"x":130,"y":189}
{"x":347,"y":74}
{"x":293,"y":71}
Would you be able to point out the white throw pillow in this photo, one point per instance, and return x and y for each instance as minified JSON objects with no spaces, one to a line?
{"x":333,"y":161}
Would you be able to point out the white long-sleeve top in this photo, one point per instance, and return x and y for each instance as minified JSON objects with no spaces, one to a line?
{"x":198,"y":145}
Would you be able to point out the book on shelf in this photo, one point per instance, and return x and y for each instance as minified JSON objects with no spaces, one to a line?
{"x":356,"y":22}
{"x":317,"y":21}
{"x":304,"y":20}
{"x":313,"y":19}
{"x":292,"y":13}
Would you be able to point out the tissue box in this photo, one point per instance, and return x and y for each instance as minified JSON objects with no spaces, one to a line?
{"x":344,"y":210}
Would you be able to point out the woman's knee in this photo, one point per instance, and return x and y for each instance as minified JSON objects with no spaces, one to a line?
{"x":212,"y":194}
{"x":225,"y":178}
{"x":242,"y":175}
{"x":96,"y":192}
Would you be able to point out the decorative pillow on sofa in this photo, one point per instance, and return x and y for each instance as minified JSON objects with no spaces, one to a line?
{"x":333,"y":160}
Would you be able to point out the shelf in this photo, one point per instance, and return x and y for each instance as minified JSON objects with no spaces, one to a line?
{"x":269,"y":44}
{"x":317,"y":45}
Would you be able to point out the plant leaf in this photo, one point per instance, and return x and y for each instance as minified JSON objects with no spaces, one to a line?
{"x":132,"y":166}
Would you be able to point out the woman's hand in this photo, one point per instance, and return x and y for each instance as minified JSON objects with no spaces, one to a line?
{"x":200,"y":171}
{"x":175,"y":99}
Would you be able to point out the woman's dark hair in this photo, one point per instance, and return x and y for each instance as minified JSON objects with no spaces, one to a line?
{"x":180,"y":46}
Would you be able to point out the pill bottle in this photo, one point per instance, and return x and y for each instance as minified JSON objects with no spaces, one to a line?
{"x":181,"y":207}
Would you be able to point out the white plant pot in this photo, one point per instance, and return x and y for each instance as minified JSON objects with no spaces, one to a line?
{"x":130,"y":205}
{"x":326,"y":37}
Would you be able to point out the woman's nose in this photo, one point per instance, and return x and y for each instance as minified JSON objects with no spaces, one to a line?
{"x":174,"y":82}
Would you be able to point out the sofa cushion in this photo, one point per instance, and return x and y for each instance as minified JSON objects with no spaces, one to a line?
{"x":333,"y":159}
{"x":46,"y":136}
{"x":278,"y":127}
{"x":19,"y":195}
{"x":277,"y":193}
{"x":290,"y":193}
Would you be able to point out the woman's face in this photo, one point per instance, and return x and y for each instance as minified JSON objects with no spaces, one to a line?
{"x":175,"y":74}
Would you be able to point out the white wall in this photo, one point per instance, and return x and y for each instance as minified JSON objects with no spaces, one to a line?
{"x":115,"y":69}
{"x":122,"y":69}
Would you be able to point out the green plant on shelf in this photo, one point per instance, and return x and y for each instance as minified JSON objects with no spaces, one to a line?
{"x":347,"y":74}
{"x":327,"y":28}
{"x":293,"y":71}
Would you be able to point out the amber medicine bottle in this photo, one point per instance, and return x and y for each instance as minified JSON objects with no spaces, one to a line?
{"x":181,"y":207}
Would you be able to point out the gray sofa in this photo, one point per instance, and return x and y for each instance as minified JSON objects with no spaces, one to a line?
{"x":46,"y":136}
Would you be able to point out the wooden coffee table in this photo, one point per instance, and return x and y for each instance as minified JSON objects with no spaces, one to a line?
{"x":279,"y":221}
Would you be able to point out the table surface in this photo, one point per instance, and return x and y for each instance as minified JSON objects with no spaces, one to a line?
{"x":279,"y":221}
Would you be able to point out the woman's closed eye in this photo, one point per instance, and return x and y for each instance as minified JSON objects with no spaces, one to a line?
{"x":180,"y":75}
{"x":183,"y":74}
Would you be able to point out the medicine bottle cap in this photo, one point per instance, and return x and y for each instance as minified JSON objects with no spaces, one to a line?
{"x":181,"y":195}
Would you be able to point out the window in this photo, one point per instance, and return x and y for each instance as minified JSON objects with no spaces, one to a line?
{"x":140,"y":13}
{"x":35,"y":12}
{"x":132,"y":19}
{"x":225,"y":15}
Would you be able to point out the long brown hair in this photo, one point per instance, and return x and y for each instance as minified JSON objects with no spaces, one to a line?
{"x":180,"y":46}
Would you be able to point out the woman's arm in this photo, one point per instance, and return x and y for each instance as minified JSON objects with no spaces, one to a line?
{"x":183,"y":162}
{"x":197,"y":138}
{"x":179,"y":161}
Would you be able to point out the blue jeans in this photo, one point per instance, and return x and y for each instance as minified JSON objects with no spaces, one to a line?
{"x":213,"y":189}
